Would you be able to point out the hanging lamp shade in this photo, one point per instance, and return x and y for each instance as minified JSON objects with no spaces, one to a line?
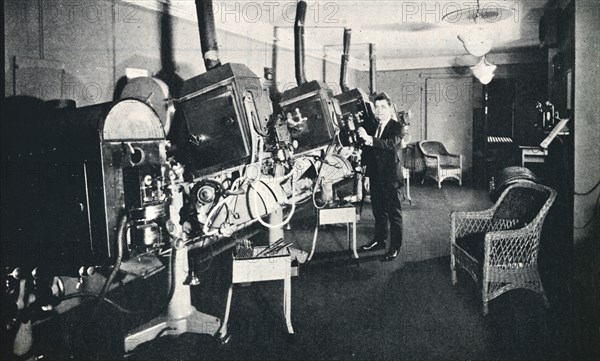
{"x":484,"y":71}
{"x":474,"y":23}
{"x":476,"y":42}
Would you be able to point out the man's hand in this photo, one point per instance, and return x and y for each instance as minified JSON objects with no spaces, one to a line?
{"x":363,"y":133}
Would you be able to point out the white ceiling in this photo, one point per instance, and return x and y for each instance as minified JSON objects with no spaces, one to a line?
{"x":406,"y":29}
{"x":400,"y":29}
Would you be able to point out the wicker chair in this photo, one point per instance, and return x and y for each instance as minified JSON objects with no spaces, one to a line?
{"x":439,"y":164}
{"x":499,"y":246}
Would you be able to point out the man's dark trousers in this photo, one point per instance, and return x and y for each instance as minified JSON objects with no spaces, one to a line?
{"x":387,"y":206}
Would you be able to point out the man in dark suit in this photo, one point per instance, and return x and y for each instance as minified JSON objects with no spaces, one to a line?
{"x":382,"y":154}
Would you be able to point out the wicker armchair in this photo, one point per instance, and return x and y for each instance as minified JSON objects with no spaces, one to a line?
{"x":439,"y":164}
{"x":499,"y":246}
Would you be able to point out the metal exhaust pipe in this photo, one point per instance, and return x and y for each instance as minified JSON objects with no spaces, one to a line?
{"x":372,"y":69}
{"x":345,"y":58}
{"x":299,"y":42}
{"x":208,"y":34}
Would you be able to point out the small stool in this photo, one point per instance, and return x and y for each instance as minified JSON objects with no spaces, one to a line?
{"x":335,"y":215}
{"x":277,"y":266}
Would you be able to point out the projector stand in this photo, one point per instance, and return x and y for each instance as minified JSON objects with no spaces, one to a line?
{"x":180,"y":316}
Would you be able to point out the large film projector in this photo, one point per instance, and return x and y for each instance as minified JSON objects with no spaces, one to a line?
{"x":127,"y":193}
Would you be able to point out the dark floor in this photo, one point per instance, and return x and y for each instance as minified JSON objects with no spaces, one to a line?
{"x":406,"y":309}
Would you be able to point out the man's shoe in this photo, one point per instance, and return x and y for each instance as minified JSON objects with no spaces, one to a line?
{"x":391,"y":255}
{"x":373,"y":246}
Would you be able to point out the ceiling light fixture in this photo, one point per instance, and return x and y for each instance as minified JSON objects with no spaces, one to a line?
{"x":484,"y":71}
{"x":477,"y":43}
{"x":475,"y":39}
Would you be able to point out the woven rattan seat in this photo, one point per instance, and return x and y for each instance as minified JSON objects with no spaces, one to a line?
{"x":499,"y":246}
{"x":439,"y":164}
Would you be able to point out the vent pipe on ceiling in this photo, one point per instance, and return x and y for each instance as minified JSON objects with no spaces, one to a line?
{"x":345,"y":58}
{"x":208,"y":34}
{"x":299,"y":42}
{"x":372,"y":69}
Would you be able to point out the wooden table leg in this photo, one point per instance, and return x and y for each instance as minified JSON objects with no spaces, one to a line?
{"x":354,"y":240}
{"x":227,"y":312}
{"x":314,"y":243}
{"x":287,"y":301}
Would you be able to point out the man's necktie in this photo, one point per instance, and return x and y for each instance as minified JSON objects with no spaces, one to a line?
{"x":379,"y":131}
